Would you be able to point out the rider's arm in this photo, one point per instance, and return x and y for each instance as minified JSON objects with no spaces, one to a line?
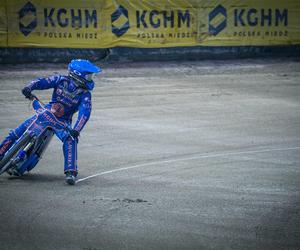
{"x":85,"y":108}
{"x":43,"y":83}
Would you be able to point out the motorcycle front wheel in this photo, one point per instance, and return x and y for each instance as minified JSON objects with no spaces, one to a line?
{"x":7,"y":161}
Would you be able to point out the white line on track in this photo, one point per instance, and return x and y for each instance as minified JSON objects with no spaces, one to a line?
{"x":200,"y":156}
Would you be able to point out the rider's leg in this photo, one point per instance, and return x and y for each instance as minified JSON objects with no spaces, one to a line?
{"x":70,"y":154}
{"x":7,"y":143}
{"x":13,"y":136}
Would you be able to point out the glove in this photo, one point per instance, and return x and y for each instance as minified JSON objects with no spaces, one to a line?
{"x":26,"y":92}
{"x":74,"y":133}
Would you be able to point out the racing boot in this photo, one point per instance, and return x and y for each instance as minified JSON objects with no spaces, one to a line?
{"x":70,"y":177}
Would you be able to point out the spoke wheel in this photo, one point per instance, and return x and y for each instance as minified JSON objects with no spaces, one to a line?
{"x":8,"y":161}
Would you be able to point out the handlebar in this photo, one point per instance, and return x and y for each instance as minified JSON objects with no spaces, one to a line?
{"x":34,"y":97}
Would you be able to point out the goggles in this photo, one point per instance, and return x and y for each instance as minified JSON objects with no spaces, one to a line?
{"x":89,"y":77}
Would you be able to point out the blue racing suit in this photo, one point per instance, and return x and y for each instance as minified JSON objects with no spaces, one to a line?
{"x":66,"y":100}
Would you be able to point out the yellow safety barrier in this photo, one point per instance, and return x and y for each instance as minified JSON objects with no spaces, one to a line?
{"x":3,"y":26}
{"x":148,"y":24}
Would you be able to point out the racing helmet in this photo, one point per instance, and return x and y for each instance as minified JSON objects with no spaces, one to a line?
{"x":82,"y":71}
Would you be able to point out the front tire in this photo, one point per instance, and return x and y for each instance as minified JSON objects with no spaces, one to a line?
{"x":13,"y":151}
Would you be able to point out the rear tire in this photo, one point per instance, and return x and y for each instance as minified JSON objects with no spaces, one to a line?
{"x":13,"y":151}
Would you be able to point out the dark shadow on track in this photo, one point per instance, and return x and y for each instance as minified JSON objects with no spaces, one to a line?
{"x":37,"y":178}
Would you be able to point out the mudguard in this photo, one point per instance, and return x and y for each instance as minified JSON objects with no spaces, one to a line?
{"x":42,"y":142}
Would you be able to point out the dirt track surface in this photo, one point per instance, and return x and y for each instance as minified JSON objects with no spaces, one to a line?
{"x":191,"y":155}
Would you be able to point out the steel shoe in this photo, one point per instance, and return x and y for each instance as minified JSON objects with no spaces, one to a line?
{"x":14,"y":172}
{"x":70,"y":178}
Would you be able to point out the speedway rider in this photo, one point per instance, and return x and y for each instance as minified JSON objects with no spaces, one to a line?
{"x":71,"y":93}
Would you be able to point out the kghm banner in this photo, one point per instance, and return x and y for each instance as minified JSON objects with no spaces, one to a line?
{"x":149,"y":24}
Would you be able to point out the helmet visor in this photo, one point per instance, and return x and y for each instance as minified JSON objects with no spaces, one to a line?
{"x":89,"y":77}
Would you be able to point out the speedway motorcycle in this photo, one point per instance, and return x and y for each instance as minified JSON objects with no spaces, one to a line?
{"x":29,"y":148}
